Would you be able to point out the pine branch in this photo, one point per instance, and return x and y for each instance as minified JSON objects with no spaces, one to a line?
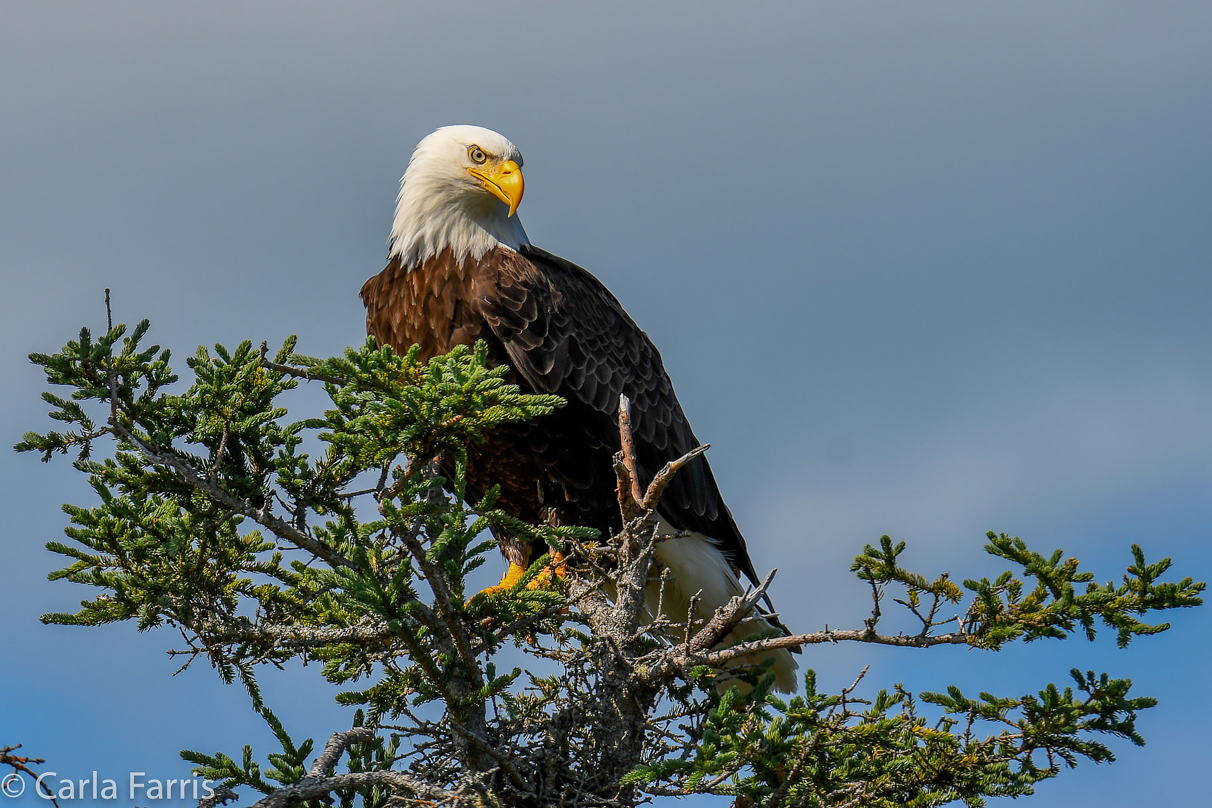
{"x":335,"y":748}
{"x":296,"y":637}
{"x":262,"y":516}
{"x":406,"y":788}
{"x":379,"y":598}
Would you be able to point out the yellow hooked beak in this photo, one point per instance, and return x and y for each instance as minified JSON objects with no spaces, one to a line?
{"x":504,"y":182}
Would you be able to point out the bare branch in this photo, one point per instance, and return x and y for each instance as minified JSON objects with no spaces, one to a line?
{"x":219,"y":455}
{"x":19,"y":762}
{"x":310,"y":788}
{"x":629,"y":488}
{"x":295,"y":637}
{"x":515,"y":778}
{"x":724,"y":655}
{"x":336,"y":747}
{"x":664,"y":477}
{"x":221,"y":796}
{"x":393,"y":490}
{"x":298,"y":373}
{"x":730,"y":615}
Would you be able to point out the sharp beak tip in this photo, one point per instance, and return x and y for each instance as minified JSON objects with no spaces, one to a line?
{"x":506,"y":186}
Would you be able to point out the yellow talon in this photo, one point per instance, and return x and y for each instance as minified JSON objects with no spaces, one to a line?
{"x":515,"y":573}
{"x":544,"y":576}
{"x":512,"y":576}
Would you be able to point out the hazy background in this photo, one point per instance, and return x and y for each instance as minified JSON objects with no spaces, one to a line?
{"x":923,"y":269}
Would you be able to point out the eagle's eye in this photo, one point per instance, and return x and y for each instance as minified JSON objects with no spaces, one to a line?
{"x":477,"y":154}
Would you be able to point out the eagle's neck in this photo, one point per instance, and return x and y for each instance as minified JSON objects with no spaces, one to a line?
{"x":432,"y":216}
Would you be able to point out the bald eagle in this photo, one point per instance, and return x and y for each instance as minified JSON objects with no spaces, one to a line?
{"x":461,"y":269}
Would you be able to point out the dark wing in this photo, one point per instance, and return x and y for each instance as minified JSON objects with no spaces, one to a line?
{"x":565,"y":333}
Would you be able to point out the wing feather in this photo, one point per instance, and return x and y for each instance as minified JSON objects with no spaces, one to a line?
{"x":565,"y":333}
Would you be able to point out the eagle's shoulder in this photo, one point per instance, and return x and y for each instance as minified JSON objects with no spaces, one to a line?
{"x":577,"y":283}
{"x":595,"y":351}
{"x":565,"y":332}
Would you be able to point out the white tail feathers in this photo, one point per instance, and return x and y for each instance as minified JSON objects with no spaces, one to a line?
{"x":697,"y":566}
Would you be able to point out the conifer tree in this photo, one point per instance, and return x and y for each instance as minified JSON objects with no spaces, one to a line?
{"x":333,"y":538}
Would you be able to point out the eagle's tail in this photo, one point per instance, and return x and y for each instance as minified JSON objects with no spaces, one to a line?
{"x":697,"y":566}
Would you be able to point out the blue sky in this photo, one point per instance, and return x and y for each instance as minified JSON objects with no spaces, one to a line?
{"x":926,"y":270}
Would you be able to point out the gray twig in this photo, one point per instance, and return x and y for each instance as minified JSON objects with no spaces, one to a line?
{"x":336,"y":746}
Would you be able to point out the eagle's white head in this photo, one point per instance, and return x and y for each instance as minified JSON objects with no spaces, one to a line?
{"x":461,"y":190}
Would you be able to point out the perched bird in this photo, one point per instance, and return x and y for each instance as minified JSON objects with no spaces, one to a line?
{"x":461,"y":269}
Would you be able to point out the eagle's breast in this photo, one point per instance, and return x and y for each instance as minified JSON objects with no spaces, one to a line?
{"x":438,"y":306}
{"x":427,"y":306}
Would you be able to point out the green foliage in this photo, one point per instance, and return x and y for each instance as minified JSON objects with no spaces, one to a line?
{"x":388,"y":406}
{"x":286,"y":767}
{"x":825,"y":750}
{"x":1008,"y":608}
{"x":164,"y":549}
{"x":346,"y":540}
{"x":1004,"y":610}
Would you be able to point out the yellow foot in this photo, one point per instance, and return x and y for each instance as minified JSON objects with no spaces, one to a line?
{"x":544,"y":577}
{"x":515,"y":573}
{"x":512,"y":576}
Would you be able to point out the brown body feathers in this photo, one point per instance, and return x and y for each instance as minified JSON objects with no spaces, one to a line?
{"x":560,"y":331}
